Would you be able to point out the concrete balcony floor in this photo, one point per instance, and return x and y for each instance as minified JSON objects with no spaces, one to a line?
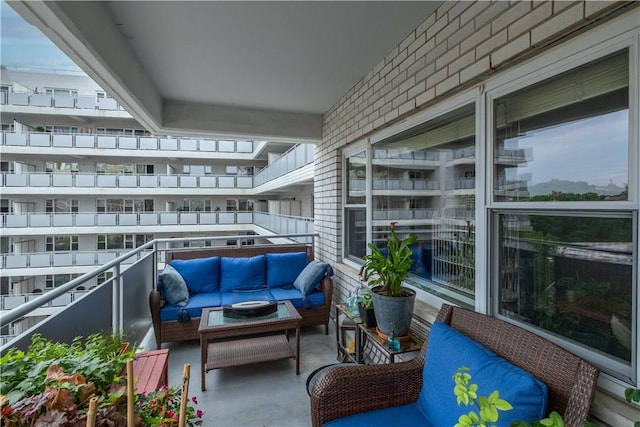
{"x":267,"y":394}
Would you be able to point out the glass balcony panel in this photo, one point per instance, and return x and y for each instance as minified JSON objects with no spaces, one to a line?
{"x":148,"y":181}
{"x":188,"y":145}
{"x":41,"y":100}
{"x":244,"y":181}
{"x":244,"y":146}
{"x":13,"y":301}
{"x":127,"y":143}
{"x":127,"y":181}
{"x":63,"y":219}
{"x":107,"y":142}
{"x":17,"y":261}
{"x":168,"y":181}
{"x":105,"y":257}
{"x":244,"y":217}
{"x":39,"y":140}
{"x":168,"y":218}
{"x":226,"y":181}
{"x":18,"y":98}
{"x":62,"y":259}
{"x":208,"y":218}
{"x":85,"y":258}
{"x":188,"y":181}
{"x":226,"y":146}
{"x":226,"y":218}
{"x":16,"y":180}
{"x":85,"y":141}
{"x":62,"y":101}
{"x":40,"y":180}
{"x":40,"y":260}
{"x":106,"y":219}
{"x":62,"y":180}
{"x":108,"y":181}
{"x":128,"y":219}
{"x":15,"y":139}
{"x":148,"y":219}
{"x":40,"y":220}
{"x":148,"y":143}
{"x":86,"y":102}
{"x":169,"y":144}
{"x":62,"y":300}
{"x":85,"y":220}
{"x":107,"y":104}
{"x":208,"y":145}
{"x":188,"y":218}
{"x":208,"y":182}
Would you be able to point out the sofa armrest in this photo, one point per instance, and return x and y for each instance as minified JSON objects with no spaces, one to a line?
{"x":348,"y":390}
{"x":326,"y":284}
{"x":154,"y":306}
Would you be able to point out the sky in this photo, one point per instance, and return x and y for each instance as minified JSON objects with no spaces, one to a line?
{"x":23,"y":45}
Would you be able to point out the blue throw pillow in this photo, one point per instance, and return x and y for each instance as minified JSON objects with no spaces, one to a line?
{"x":450,"y":350}
{"x":173,"y":287}
{"x":200,"y":274}
{"x":310,"y":277}
{"x":283,"y":269}
{"x":242,"y":273}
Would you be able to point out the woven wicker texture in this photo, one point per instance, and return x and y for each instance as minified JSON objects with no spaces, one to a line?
{"x":181,"y":331}
{"x":353,"y":389}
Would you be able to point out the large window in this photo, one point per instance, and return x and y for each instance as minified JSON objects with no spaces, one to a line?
{"x":564,"y":264}
{"x":61,"y":243}
{"x":355,"y":237}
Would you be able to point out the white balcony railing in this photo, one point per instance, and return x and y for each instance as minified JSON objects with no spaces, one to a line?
{"x":124,"y":142}
{"x":95,"y":180}
{"x":81,"y":102}
{"x":295,"y":158}
{"x":278,"y":224}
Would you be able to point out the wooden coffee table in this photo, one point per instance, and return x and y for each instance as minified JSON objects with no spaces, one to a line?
{"x":227,"y":342}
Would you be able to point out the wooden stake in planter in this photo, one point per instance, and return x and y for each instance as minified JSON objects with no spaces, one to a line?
{"x":186,"y":373}
{"x":91,"y":413}
{"x":130,"y":393}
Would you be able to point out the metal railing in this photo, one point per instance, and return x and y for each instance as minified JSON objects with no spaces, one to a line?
{"x":117,"y":305}
{"x":295,"y":158}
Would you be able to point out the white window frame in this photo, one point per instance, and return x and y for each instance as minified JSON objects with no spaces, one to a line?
{"x":623,"y":33}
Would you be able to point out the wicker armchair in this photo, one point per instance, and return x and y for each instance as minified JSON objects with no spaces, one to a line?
{"x":346,"y":390}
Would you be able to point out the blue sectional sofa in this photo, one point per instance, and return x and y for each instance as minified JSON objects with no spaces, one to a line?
{"x":194,"y":279}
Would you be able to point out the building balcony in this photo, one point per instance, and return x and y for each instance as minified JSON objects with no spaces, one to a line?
{"x":79,"y":102}
{"x":234,"y":396}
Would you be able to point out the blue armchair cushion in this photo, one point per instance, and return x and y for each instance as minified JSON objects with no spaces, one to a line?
{"x":405,"y":416}
{"x":449,"y":350}
{"x":200,"y":274}
{"x":310,"y":277}
{"x":242,"y":273}
{"x":283,"y":269}
{"x":173,"y":287}
{"x":194,"y":307}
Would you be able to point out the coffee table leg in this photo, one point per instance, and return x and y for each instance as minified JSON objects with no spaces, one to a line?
{"x":203,"y":360}
{"x":298,"y":350}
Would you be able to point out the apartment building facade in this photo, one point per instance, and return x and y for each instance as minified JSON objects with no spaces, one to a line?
{"x":83,"y":182}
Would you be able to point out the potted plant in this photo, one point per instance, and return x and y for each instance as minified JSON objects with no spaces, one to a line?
{"x":385,"y":271}
{"x":365,"y":308}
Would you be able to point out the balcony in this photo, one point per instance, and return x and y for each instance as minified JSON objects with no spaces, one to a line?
{"x":58,"y":101}
{"x":266,"y":394}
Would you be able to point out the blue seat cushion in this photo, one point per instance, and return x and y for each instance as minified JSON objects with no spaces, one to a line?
{"x":450,"y":350}
{"x":173,"y":287}
{"x":194,"y":307}
{"x":405,"y":416}
{"x":314,"y":299}
{"x":283,"y":269}
{"x":200,"y":274}
{"x":242,"y":273}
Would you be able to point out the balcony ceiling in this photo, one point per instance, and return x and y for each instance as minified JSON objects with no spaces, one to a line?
{"x":266,"y":70}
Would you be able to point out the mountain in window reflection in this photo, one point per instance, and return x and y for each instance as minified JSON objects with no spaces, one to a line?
{"x":560,"y":190}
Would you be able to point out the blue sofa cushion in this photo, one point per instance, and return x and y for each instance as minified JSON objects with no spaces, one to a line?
{"x":405,"y":416}
{"x":173,"y":287}
{"x":313,"y":299}
{"x":448,"y":351}
{"x":310,"y":277}
{"x":242,"y":273}
{"x":200,"y":274}
{"x":194,"y":307}
{"x":283,"y":269}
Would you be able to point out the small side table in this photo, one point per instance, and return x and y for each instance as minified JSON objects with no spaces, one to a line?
{"x":370,"y":348}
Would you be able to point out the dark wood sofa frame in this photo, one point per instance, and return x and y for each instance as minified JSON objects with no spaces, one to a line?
{"x":168,"y":331}
{"x":346,"y":390}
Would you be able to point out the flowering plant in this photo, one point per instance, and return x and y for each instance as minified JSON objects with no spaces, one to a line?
{"x":162,"y":408}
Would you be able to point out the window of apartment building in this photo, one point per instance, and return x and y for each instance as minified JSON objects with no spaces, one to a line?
{"x":54,"y":280}
{"x":120,"y":241}
{"x":565,"y":263}
{"x":103,"y":277}
{"x":232,"y":205}
{"x":549,"y":219}
{"x":239,"y":170}
{"x":61,"y":92}
{"x":61,"y":243}
{"x":60,"y":129}
{"x":127,"y":168}
{"x":196,"y":205}
{"x":61,"y":167}
{"x":245,"y":205}
{"x":197,"y":170}
{"x":61,"y":205}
